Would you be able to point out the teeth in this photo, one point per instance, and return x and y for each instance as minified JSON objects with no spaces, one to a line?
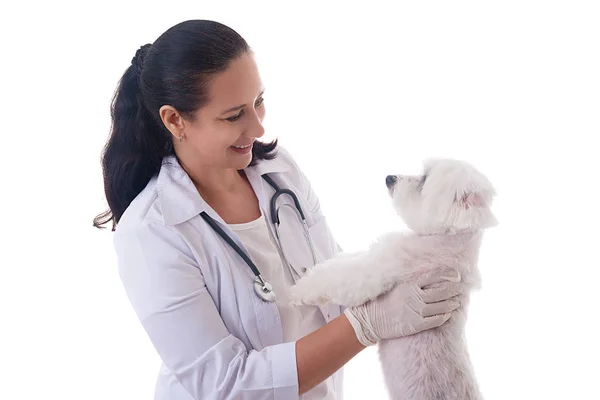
{"x":242,"y":147}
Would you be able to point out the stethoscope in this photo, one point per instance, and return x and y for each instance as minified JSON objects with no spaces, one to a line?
{"x":262,"y":287}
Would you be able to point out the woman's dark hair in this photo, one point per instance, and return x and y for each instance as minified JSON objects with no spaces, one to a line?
{"x":175,"y":70}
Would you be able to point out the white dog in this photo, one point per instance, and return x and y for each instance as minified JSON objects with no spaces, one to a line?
{"x":447,"y":209}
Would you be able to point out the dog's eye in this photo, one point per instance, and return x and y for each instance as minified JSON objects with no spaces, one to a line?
{"x":422,"y":182}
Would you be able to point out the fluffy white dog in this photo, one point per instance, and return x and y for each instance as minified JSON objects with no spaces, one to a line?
{"x":447,"y":208}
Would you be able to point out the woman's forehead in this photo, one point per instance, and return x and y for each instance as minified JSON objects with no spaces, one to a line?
{"x":239,"y":84}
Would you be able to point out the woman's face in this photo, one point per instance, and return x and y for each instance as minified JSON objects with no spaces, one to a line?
{"x":222,"y":133}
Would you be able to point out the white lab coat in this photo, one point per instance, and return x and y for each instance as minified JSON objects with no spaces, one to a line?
{"x":194,"y":295}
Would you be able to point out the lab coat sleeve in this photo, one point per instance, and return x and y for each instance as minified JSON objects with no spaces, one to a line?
{"x":166,"y":289}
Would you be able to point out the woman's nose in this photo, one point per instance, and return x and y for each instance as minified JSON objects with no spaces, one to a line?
{"x":256,"y":130}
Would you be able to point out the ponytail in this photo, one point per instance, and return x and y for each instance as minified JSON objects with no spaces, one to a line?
{"x":136,"y":147}
{"x":175,"y":70}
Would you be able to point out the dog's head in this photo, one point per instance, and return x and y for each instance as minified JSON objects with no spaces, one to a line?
{"x":449,"y":196}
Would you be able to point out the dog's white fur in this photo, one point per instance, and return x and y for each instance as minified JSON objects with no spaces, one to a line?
{"x":447,"y":208}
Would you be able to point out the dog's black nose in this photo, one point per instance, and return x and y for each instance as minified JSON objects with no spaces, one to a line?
{"x":390,"y":181}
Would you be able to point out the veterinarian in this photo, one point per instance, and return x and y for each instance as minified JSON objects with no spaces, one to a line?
{"x":183,"y":151}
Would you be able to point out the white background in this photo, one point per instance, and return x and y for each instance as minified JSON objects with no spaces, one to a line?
{"x":354,"y":92}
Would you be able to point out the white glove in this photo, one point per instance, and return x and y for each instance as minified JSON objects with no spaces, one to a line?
{"x":406,"y":309}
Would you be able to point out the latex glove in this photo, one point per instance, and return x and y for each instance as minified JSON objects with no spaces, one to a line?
{"x":406,"y":309}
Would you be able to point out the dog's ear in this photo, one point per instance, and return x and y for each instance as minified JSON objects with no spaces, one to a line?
{"x":472,"y":199}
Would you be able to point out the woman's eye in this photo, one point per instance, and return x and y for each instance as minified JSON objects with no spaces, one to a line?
{"x":258,"y":103}
{"x":235,"y":117}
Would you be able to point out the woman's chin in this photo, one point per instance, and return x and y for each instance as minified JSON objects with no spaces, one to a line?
{"x":239,"y":161}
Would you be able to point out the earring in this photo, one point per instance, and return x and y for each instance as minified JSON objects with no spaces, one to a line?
{"x":180,"y":138}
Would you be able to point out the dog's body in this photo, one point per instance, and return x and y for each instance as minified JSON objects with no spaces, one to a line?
{"x":434,"y":364}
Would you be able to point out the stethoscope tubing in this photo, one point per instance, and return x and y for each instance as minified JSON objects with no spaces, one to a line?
{"x":263,"y":288}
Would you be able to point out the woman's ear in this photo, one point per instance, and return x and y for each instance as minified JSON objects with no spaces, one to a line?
{"x":172,"y":120}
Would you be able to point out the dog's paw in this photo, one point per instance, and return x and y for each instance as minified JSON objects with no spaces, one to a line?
{"x":294,"y":300}
{"x":298,"y":297}
{"x":295,"y":296}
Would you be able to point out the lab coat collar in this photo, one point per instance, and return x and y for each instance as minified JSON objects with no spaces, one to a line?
{"x":180,"y":200}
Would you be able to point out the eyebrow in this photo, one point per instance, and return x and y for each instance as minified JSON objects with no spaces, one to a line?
{"x":239,"y":107}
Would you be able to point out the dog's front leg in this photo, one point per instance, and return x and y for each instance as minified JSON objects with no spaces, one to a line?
{"x":347,"y":279}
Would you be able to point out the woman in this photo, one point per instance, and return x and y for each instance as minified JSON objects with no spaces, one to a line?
{"x":186,"y":118}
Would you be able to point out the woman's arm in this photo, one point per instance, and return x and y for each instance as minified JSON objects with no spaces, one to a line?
{"x":321,"y":353}
{"x":167,"y":291}
{"x":169,"y":296}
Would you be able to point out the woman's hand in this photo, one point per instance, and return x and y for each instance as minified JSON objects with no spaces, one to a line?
{"x":406,"y":309}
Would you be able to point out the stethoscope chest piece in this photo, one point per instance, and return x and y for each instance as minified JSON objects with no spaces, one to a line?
{"x":264,"y":290}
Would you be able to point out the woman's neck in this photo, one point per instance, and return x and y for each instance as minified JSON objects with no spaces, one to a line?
{"x":227,"y":191}
{"x":218,"y":182}
{"x":213,"y":180}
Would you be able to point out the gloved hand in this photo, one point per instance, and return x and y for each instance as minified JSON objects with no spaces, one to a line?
{"x":406,"y":309}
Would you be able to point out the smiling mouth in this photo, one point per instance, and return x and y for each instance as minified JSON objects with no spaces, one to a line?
{"x":242,"y":147}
